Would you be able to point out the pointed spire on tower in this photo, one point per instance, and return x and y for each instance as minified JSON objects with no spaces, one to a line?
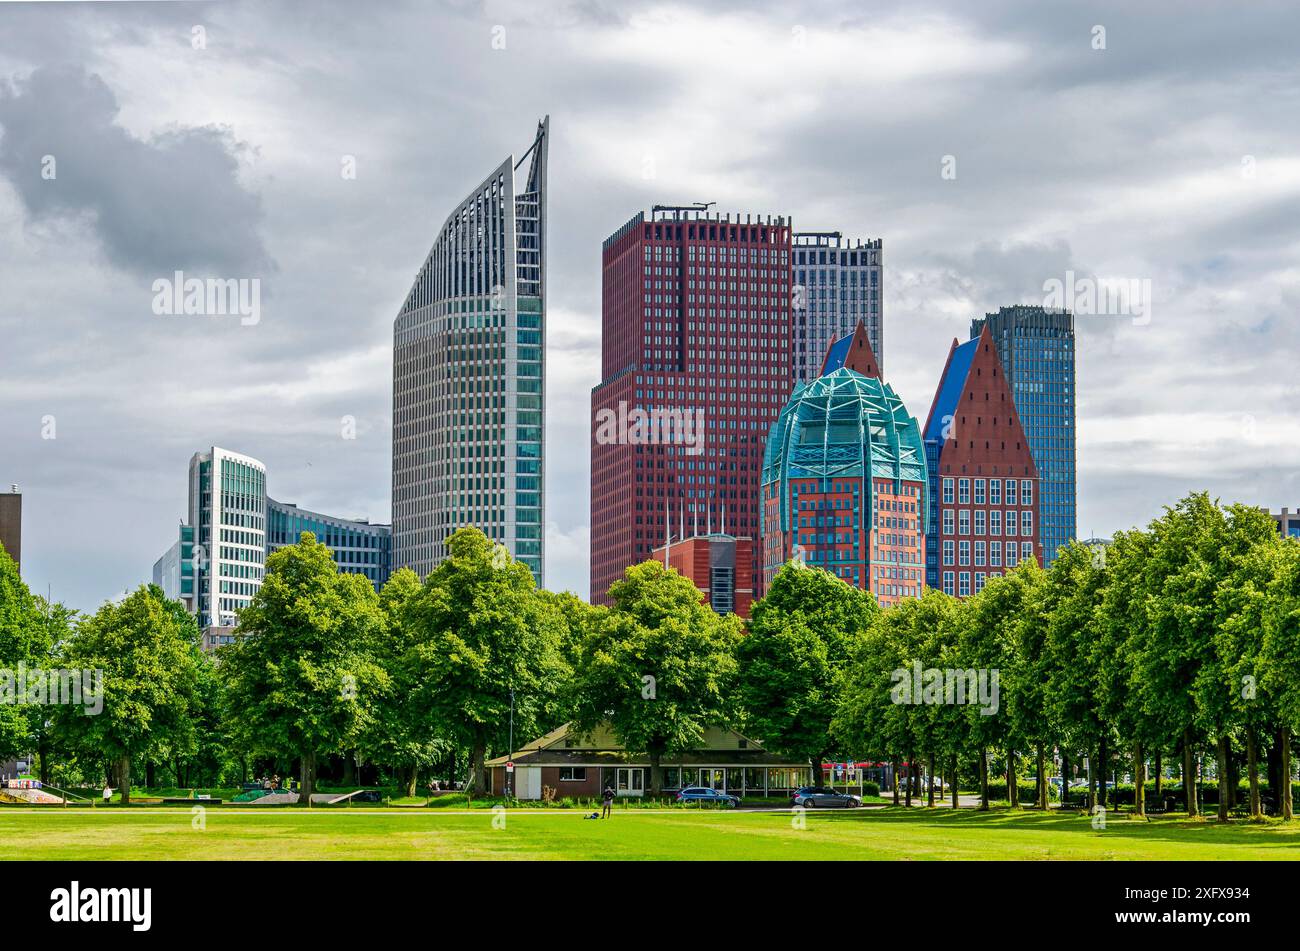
{"x":852,"y":352}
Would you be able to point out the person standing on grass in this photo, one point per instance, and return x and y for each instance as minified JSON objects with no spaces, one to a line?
{"x":609,"y":802}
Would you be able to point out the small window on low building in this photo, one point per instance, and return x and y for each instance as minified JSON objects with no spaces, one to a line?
{"x":574,"y":774}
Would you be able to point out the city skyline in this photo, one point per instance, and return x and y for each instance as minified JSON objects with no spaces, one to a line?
{"x":1188,"y":187}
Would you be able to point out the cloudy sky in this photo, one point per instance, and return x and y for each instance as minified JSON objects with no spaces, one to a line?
{"x":1157,"y":144}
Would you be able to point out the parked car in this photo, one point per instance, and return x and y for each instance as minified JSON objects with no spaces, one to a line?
{"x":822,"y":797}
{"x":703,"y":794}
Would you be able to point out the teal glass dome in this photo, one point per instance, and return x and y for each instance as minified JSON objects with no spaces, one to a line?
{"x":842,"y":425}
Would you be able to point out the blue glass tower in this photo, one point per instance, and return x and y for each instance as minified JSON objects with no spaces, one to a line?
{"x":1036,"y":347}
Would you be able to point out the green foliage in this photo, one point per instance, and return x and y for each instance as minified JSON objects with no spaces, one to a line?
{"x":792,"y":664}
{"x":658,"y":667}
{"x":302,"y":678}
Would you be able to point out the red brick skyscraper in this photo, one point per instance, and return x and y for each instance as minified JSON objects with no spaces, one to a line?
{"x":696,"y":327}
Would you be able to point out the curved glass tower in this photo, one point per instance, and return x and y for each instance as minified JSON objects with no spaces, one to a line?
{"x":844,"y":481}
{"x":469,"y":374}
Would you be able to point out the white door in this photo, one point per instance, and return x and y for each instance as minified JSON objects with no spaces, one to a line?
{"x":528,"y":782}
{"x":631,"y":781}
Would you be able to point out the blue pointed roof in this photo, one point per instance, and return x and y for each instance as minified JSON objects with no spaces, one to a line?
{"x":954,"y":379}
{"x":838,"y":353}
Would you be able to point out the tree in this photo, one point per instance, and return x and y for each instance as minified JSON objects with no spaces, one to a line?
{"x":485,"y":648}
{"x":147,"y":659}
{"x":1280,"y":656}
{"x":25,"y":639}
{"x":792,"y":664}
{"x":301,"y":677}
{"x":400,"y":734}
{"x":657,"y":667}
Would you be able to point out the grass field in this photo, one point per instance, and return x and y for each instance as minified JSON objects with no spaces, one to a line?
{"x":887,"y":833}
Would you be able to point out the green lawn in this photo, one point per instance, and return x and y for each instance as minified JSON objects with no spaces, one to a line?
{"x":889,"y":833}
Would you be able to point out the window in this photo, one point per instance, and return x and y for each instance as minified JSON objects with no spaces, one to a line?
{"x":947,"y":552}
{"x":995,"y":521}
{"x":963,"y":584}
{"x":573,"y":774}
{"x":1026,"y":551}
{"x":948,"y":582}
{"x":1026,"y":522}
{"x":963,"y":491}
{"x":947,"y":521}
{"x":995,"y":492}
{"x":995,"y":554}
{"x":1011,"y":523}
{"x":979,"y":521}
{"x":947,"y":491}
{"x":1011,"y":554}
{"x":1011,"y":492}
{"x":979,"y":553}
{"x":979,"y":581}
{"x":979,"y":491}
{"x":963,"y":553}
{"x":1026,"y":492}
{"x":963,"y":522}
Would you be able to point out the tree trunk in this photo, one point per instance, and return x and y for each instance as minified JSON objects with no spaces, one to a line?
{"x":1042,"y":778}
{"x":477,"y":755}
{"x":124,"y":778}
{"x":1284,"y":790}
{"x":1103,"y":767}
{"x":151,"y":775}
{"x":984,"y":779}
{"x":911,"y":768}
{"x":1160,"y":774}
{"x":1139,"y":780}
{"x":953,"y":788}
{"x":929,"y":784}
{"x":1225,"y":797}
{"x":1013,"y":786}
{"x":819,"y":774}
{"x":1252,"y":769}
{"x":1189,"y":774}
{"x":307,"y":777}
{"x":656,"y":773}
{"x":350,"y":768}
{"x":412,"y":779}
{"x":894,"y":779}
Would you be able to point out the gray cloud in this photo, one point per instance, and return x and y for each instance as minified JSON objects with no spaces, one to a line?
{"x":170,"y":202}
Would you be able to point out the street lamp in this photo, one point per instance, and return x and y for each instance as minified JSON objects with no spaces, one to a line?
{"x":510,"y":751}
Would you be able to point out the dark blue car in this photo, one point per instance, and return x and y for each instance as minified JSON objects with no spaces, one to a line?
{"x":702,"y":795}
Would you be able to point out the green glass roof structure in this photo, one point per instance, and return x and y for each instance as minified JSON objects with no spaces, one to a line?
{"x":843,"y":425}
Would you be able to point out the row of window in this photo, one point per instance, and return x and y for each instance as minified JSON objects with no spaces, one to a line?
{"x":994,"y":491}
{"x":990,"y":554}
{"x":995,"y":523}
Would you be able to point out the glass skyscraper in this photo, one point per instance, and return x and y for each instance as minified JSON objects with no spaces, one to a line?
{"x":835,"y":285}
{"x":469,"y":374}
{"x":1036,"y":347}
{"x":358,"y":547}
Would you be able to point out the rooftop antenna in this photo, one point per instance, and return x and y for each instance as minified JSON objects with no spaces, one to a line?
{"x":668,"y":535}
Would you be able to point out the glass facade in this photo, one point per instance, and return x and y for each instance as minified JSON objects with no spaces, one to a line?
{"x":469,"y":375}
{"x":1036,"y":347}
{"x":835,"y":286}
{"x":357,"y":546}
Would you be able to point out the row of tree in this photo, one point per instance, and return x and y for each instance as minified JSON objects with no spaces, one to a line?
{"x":1171,"y":641}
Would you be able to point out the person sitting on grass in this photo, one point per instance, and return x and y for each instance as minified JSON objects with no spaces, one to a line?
{"x":608,"y":799}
